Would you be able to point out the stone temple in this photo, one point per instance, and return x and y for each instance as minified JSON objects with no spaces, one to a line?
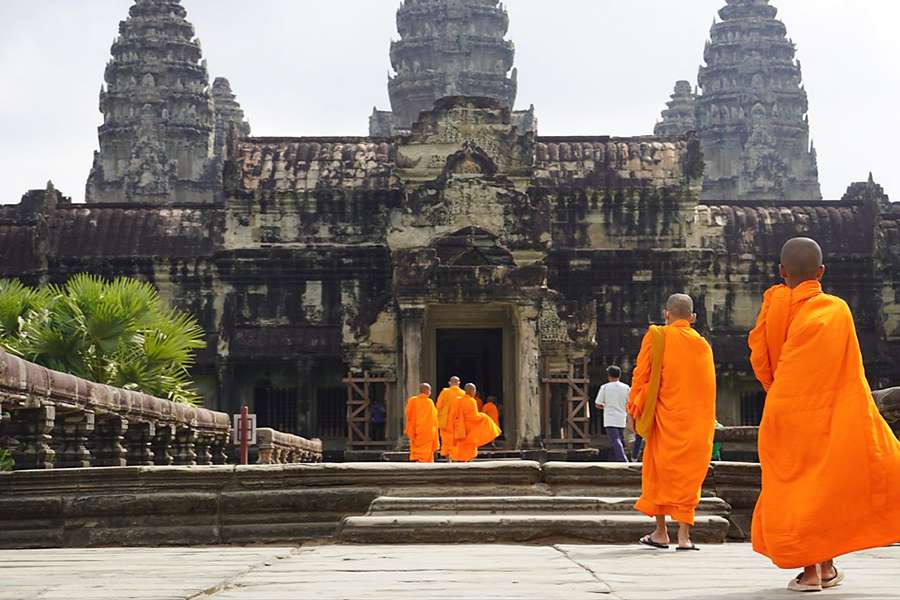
{"x":334,"y":274}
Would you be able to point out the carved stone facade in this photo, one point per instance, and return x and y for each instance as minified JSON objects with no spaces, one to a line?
{"x":335,"y":274}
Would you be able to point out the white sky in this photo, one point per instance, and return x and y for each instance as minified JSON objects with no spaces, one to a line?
{"x":313,"y":67}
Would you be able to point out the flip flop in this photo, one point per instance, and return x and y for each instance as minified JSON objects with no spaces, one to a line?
{"x":835,"y":581}
{"x":648,"y":541}
{"x":686,"y":548}
{"x":796,"y":586}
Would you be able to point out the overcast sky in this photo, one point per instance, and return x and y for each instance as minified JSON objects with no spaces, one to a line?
{"x":312,"y":67}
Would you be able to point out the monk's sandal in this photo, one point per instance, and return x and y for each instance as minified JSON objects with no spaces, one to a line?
{"x":796,"y":586}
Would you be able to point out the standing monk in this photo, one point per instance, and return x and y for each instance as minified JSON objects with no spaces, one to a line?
{"x":443,"y":408}
{"x":470,"y":429}
{"x":830,"y":464}
{"x":422,"y":426}
{"x":676,"y":459}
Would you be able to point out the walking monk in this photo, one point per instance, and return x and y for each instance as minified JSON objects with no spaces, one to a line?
{"x":681,"y":379}
{"x":830,"y":464}
{"x":470,"y":429}
{"x":443,"y":408}
{"x":422,"y":426}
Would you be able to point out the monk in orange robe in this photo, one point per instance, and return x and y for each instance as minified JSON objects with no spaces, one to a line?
{"x":422,"y":426}
{"x":470,"y":429}
{"x":443,"y":407}
{"x":676,"y":458}
{"x":830,"y":463}
{"x":491,"y":410}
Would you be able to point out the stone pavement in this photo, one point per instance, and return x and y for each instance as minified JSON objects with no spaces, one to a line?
{"x":486,"y":572}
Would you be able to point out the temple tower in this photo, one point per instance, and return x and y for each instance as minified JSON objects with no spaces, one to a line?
{"x":447,"y":48}
{"x":230,"y":121}
{"x":157,"y":136}
{"x":752,"y":112}
{"x":678,"y":118}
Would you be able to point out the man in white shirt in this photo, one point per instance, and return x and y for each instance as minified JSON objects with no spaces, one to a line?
{"x":612,"y":398}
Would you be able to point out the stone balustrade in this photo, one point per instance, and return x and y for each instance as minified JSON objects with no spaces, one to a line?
{"x":889,"y":403}
{"x":59,"y":420}
{"x":276,"y":447}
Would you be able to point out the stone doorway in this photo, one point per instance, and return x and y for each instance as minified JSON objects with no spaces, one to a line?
{"x":475,"y":355}
{"x":477,"y":343}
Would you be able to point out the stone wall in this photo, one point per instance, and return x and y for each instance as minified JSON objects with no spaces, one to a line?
{"x":324,"y":247}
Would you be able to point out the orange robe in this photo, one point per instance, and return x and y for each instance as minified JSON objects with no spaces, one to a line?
{"x":480,"y":403}
{"x":491,"y":410}
{"x":676,"y":458}
{"x":421,"y":428}
{"x":470,"y":429}
{"x":830,"y":463}
{"x":443,"y":408}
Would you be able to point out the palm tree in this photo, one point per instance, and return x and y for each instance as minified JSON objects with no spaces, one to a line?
{"x":116,"y":332}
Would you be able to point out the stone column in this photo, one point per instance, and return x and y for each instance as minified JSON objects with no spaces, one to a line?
{"x":109,"y":442}
{"x":71,"y":436}
{"x":33,"y":428}
{"x":162,"y":445}
{"x":528,"y":379}
{"x":139,"y":439}
{"x":204,"y":450}
{"x":413,"y":320}
{"x":185,"y":440}
{"x":220,"y":450}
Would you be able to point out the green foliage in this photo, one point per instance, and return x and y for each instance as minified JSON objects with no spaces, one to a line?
{"x":115,"y":332}
{"x":6,"y":460}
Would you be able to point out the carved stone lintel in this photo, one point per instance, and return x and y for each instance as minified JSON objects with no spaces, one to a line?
{"x":33,"y":428}
{"x":185,"y":444}
{"x":71,"y":435}
{"x":139,"y":438}
{"x":109,"y":442}
{"x":163,"y":445}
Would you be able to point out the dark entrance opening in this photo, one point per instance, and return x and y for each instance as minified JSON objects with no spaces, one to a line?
{"x":475,"y":355}
{"x":276,"y":408}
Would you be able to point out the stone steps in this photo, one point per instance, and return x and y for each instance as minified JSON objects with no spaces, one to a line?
{"x":517,"y":519}
{"x":516,"y":529}
{"x":569,"y":505}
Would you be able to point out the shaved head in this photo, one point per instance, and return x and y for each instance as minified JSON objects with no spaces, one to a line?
{"x":470,"y":389}
{"x":801,"y":259}
{"x":454,"y":380}
{"x":425,"y":388}
{"x":680,"y":306}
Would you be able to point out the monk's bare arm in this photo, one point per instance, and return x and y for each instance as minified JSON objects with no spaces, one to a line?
{"x":640,"y":379}
{"x":759,"y":347}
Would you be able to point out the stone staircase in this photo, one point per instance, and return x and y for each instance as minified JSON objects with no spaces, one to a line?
{"x":518,"y":519}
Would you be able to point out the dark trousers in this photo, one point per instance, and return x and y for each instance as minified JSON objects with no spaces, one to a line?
{"x":637,"y":448}
{"x":617,"y":438}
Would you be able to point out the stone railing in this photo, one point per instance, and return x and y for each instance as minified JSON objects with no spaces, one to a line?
{"x":275,"y":447}
{"x":58,"y":420}
{"x":738,"y":443}
{"x":889,"y":403}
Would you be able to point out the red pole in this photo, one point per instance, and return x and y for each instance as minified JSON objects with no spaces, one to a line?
{"x":244,"y":434}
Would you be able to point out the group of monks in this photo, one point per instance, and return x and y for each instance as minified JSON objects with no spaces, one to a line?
{"x":830,"y":463}
{"x":459,"y":424}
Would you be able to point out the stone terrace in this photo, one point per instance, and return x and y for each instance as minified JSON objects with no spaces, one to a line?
{"x":731,"y":572}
